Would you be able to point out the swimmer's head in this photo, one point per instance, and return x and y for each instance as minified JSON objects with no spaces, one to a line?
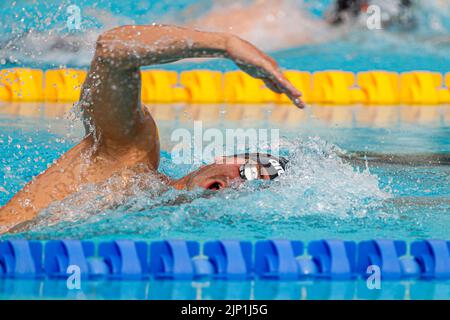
{"x":232,"y":170}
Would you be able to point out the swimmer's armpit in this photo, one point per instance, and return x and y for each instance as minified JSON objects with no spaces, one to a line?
{"x":129,"y":47}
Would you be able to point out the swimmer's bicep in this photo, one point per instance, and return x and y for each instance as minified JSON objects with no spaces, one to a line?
{"x":109,"y":100}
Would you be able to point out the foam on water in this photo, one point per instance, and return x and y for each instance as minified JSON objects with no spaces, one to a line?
{"x":318,"y":183}
{"x":322,"y":196}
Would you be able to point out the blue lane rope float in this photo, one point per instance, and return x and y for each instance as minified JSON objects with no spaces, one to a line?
{"x":226,"y":259}
{"x":276,"y":259}
{"x":231,"y":260}
{"x":433,"y":258}
{"x":21,"y":259}
{"x":335,"y":259}
{"x":125,"y":259}
{"x":387,"y":255}
{"x":173,"y":259}
{"x":60,"y":254}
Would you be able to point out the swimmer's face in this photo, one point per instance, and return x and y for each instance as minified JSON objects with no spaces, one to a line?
{"x":223,"y":173}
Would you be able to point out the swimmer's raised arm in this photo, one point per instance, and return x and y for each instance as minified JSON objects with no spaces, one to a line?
{"x":124,"y":135}
{"x":111,"y":94}
{"x":131,"y":46}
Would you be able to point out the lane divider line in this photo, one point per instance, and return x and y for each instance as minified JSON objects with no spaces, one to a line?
{"x":206,"y":86}
{"x":227,"y":259}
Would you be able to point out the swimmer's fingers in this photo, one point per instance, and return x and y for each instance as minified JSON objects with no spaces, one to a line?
{"x":272,"y":86}
{"x":259,"y":65}
{"x":293,"y":94}
{"x":276,"y":81}
{"x":280,"y":84}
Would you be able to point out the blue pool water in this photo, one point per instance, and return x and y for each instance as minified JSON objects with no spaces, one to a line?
{"x":397,"y":187}
{"x":219,"y":290}
{"x":356,"y":173}
{"x":37,"y":34}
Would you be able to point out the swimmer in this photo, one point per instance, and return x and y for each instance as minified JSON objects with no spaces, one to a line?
{"x":269,"y":24}
{"x":396,"y":14}
{"x":121,"y":135}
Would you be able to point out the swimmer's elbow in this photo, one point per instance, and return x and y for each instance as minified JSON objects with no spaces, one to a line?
{"x":111,"y":45}
{"x":134,"y":46}
{"x":122,"y":46}
{"x":118,"y":37}
{"x":105,"y":49}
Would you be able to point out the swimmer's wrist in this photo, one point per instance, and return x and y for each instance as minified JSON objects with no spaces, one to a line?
{"x":209,"y":44}
{"x":230,"y":43}
{"x":223,"y":43}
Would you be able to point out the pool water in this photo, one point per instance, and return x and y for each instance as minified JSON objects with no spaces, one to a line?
{"x":224,"y":290}
{"x":355,"y":173}
{"x":36,"y":34}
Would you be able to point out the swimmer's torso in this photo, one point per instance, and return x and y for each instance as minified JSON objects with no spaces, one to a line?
{"x":86,"y":163}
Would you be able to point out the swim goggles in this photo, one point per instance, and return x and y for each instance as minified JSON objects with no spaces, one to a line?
{"x":251,"y":169}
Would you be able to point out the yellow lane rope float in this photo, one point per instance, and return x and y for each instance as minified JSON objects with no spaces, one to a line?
{"x":205,"y":86}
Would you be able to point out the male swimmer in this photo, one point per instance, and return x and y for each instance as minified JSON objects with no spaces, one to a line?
{"x":122,"y":137}
{"x":396,"y":13}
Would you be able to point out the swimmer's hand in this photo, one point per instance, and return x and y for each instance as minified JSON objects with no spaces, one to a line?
{"x":261,"y":66}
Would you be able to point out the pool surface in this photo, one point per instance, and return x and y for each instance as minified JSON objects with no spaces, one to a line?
{"x":224,"y":290}
{"x":356,"y":173}
{"x":297,"y":37}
